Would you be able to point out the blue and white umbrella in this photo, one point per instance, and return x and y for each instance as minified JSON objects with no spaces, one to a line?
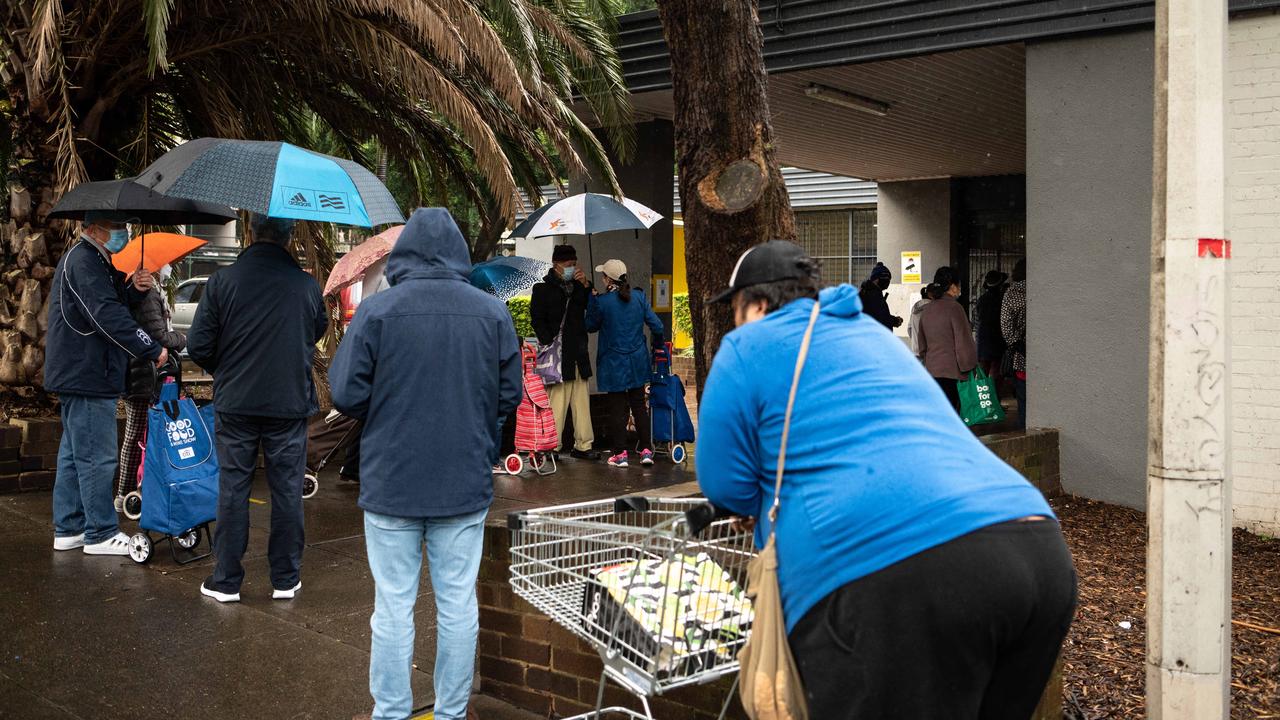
{"x":586,"y":214}
{"x":506,"y":277}
{"x":275,"y":179}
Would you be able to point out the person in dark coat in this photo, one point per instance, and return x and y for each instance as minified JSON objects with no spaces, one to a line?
{"x":559,"y":304}
{"x":872,"y":295}
{"x":255,"y":331}
{"x":152,"y":314}
{"x":429,"y":365}
{"x":991,"y":345}
{"x":623,"y":359}
{"x":90,"y":340}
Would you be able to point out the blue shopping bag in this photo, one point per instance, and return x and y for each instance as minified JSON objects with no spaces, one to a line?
{"x":180,"y":466}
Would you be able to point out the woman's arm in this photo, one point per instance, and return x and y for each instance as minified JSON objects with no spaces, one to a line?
{"x":966,"y":350}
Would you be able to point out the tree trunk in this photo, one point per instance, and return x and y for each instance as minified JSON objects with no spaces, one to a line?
{"x":732,"y":195}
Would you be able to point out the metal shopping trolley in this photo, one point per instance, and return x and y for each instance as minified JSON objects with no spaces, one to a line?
{"x":657,"y":585}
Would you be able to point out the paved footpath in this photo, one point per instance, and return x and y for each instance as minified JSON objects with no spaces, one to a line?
{"x":97,"y":638}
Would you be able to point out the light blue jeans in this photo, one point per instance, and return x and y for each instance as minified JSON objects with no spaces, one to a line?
{"x":85,"y":483}
{"x":395,"y":557}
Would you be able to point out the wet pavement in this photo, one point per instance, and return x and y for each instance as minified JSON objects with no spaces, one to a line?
{"x":103,"y":638}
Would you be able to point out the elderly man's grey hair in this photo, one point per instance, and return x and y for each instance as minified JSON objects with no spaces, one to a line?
{"x":278,"y":231}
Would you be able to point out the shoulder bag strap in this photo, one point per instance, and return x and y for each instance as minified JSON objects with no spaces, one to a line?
{"x":786,"y":423}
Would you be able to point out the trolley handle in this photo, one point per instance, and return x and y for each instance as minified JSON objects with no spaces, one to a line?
{"x":701,"y":517}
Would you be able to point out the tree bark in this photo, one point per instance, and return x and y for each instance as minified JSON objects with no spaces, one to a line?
{"x":732,"y":195}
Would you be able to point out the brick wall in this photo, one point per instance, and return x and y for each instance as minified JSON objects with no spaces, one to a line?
{"x":1253,"y":222}
{"x":28,"y":454}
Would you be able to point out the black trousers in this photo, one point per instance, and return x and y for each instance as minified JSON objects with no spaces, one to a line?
{"x":951,"y":388}
{"x":284,"y":446}
{"x":621,"y":405}
{"x":970,"y":629}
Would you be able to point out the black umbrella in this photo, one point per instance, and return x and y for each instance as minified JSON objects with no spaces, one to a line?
{"x":138,"y":203}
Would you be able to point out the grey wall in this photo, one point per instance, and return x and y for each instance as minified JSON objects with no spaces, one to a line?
{"x":912,"y":215}
{"x":1089,"y":118}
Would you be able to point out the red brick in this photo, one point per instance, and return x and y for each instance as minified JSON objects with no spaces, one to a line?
{"x":562,"y":686}
{"x":490,"y":643}
{"x":565,"y":707}
{"x":502,"y":670}
{"x":518,"y":695}
{"x":38,"y":430}
{"x":28,"y":449}
{"x":575,"y":663}
{"x":42,"y":480}
{"x":32,"y":462}
{"x":497,"y":595}
{"x":501,"y":621}
{"x":526,"y":651}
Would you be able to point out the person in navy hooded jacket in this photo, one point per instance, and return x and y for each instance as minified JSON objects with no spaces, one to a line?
{"x":921,"y":577}
{"x":430,"y":365}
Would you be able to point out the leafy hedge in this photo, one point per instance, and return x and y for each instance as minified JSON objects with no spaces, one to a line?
{"x":519,"y":307}
{"x":680,"y":313}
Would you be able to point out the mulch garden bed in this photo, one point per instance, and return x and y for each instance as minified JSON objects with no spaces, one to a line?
{"x":1106,"y":649}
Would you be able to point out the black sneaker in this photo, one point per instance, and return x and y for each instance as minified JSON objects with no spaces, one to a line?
{"x":591,"y":455}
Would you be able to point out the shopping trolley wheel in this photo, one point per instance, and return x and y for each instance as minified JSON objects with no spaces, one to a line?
{"x":133,"y":505}
{"x":677,"y":453}
{"x":514,"y":464}
{"x":310,"y":485}
{"x":188,"y":539}
{"x":140,"y":548}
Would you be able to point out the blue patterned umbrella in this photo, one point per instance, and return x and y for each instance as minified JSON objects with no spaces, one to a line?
{"x":506,"y":277}
{"x":275,"y":179}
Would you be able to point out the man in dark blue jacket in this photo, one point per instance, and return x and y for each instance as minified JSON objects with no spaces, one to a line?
{"x":256,"y":330}
{"x":429,"y":365}
{"x":90,"y":341}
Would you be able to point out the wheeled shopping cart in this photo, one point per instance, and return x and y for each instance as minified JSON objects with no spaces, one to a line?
{"x":656,"y":585}
{"x":670,"y":424}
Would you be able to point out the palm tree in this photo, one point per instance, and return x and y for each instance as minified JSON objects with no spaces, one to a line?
{"x":474,"y":95}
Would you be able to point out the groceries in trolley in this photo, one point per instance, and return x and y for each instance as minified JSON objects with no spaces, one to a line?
{"x":536,"y":433}
{"x":686,"y":611}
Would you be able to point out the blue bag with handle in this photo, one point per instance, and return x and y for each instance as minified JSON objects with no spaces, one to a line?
{"x":180,"y":466}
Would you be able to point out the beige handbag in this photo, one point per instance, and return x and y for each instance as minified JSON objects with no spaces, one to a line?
{"x":770,"y":687}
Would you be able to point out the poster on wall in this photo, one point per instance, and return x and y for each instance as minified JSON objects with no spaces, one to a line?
{"x":911,"y":267}
{"x":662,"y":293}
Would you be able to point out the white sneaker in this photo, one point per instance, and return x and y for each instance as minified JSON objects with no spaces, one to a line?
{"x":117,"y":544}
{"x":219,"y":596}
{"x":286,"y":594}
{"x":68,"y":543}
{"x":119,"y":503}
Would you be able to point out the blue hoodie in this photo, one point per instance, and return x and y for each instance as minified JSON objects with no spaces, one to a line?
{"x":879,"y":467}
{"x":429,"y":364}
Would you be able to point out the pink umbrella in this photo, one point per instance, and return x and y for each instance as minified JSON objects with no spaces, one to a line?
{"x":352,"y":265}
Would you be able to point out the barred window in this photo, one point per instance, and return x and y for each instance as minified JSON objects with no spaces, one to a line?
{"x":842,"y":241}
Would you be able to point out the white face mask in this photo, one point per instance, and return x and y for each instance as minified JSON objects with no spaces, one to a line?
{"x":567,"y":272}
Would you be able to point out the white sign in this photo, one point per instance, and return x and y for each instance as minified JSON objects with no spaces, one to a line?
{"x":911,"y":267}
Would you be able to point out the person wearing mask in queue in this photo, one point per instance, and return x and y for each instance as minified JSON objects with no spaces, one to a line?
{"x":921,"y":576}
{"x":946,"y":341}
{"x":872,"y":294}
{"x":991,"y":343}
{"x":90,"y":340}
{"x":558,"y":306}
{"x":623,"y":358}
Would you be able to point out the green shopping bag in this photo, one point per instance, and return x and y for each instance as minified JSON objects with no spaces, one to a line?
{"x":978,"y":402}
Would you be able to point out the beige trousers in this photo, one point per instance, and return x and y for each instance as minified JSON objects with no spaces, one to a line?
{"x":574,"y":396}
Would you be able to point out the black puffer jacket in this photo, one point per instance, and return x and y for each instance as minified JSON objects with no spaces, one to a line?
{"x":551,"y":298}
{"x":153,"y":316}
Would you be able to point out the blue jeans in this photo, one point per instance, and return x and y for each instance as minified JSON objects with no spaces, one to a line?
{"x":395,"y":557}
{"x":85,"y":483}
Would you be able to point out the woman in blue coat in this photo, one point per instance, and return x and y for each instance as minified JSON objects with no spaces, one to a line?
{"x":623,"y":358}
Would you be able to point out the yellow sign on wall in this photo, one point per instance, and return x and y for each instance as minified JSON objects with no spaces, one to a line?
{"x":911,"y":267}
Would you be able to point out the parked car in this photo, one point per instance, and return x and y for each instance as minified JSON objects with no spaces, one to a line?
{"x":185,"y":301}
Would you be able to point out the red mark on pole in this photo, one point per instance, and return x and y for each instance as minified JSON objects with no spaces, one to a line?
{"x":1214,"y":247}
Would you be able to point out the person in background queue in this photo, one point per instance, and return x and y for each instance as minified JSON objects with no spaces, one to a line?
{"x":946,"y":341}
{"x":872,"y":294}
{"x":1013,"y":325}
{"x":91,"y":338}
{"x":255,"y":331}
{"x":558,"y":306}
{"x":921,"y":576}
{"x":991,"y":345}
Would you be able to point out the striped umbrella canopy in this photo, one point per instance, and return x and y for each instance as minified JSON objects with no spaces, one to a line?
{"x":274,"y":179}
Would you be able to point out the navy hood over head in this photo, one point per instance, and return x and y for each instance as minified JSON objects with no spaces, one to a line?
{"x":430,"y":365}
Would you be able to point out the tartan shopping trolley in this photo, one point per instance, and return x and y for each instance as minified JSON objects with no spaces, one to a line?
{"x":656,"y":585}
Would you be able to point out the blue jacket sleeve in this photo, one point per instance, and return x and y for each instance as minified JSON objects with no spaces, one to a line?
{"x":94,"y":293}
{"x":595,"y":317}
{"x":727,"y":457}
{"x":656,"y":329}
{"x":352,"y":371}
{"x":510,"y":371}
{"x":202,"y":338}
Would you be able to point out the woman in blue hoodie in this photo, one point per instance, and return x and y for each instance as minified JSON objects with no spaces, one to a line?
{"x":623,"y":360}
{"x":921,"y":577}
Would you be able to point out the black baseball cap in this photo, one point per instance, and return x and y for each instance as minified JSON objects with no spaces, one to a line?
{"x":765,"y":263}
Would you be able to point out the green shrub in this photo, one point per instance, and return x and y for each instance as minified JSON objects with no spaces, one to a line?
{"x":519,"y":307}
{"x":680,"y":313}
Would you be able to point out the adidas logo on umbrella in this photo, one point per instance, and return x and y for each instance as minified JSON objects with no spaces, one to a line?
{"x":299,"y":200}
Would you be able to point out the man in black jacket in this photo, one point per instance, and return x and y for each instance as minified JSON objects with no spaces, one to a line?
{"x":90,"y":340}
{"x":873,"y":298}
{"x":560,"y":300}
{"x":256,"y":330}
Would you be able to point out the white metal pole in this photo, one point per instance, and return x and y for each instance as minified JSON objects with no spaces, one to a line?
{"x":1188,"y":490}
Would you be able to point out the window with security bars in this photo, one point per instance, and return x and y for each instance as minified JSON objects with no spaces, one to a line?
{"x":842,"y":241}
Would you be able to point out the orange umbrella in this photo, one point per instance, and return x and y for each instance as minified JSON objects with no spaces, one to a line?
{"x":157,"y":248}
